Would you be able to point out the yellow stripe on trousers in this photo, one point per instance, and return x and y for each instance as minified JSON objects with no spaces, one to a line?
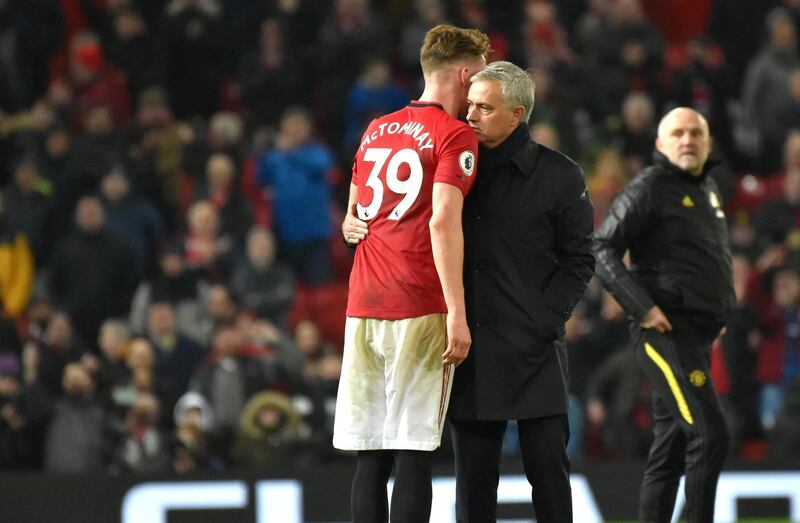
{"x":662,"y":364}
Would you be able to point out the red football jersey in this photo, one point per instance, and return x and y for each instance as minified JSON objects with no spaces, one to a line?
{"x":400,"y":157}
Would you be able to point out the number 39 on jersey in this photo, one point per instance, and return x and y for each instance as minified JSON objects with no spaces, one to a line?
{"x":391,"y":161}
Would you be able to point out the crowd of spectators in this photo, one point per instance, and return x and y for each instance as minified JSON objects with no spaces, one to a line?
{"x":171,"y":277}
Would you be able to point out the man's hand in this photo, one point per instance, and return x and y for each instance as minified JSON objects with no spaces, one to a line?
{"x":353,"y":229}
{"x":655,"y":319}
{"x":12,"y":418}
{"x":458,"y":340}
{"x":773,"y":256}
{"x":596,"y":412}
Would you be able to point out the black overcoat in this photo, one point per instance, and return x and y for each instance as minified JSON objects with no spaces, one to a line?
{"x":528,"y":258}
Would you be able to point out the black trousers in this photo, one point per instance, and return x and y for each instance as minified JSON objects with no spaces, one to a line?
{"x":543,"y":443}
{"x":690,"y":433}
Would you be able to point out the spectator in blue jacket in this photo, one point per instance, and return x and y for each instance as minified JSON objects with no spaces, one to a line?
{"x":296,"y":170}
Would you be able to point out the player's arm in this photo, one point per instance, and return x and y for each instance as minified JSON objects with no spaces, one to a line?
{"x":353,"y":229}
{"x":447,"y":242}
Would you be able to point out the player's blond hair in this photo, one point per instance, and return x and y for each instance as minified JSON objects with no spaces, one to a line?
{"x":445,"y":44}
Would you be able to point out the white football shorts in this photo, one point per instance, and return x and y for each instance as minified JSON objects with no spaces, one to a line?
{"x":394,"y":388}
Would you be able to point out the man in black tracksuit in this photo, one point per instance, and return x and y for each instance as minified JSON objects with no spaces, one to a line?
{"x":678,"y":291}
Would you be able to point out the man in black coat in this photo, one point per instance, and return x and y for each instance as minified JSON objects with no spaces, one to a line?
{"x":92,"y":275}
{"x":527,"y":260}
{"x":678,"y":293}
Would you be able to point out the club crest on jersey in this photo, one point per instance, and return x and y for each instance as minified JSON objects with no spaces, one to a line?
{"x":466,"y":161}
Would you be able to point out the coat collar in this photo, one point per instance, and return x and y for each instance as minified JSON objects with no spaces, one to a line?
{"x":526,"y":156}
{"x":662,"y":161}
{"x":518,"y":148}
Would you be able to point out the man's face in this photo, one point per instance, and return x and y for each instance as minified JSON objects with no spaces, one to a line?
{"x":76,"y":380}
{"x":220,"y":305}
{"x":140,"y":355}
{"x":90,"y":215}
{"x":227,"y":343}
{"x":219,"y":172}
{"x":684,"y":139}
{"x":791,"y":150}
{"x":59,"y":331}
{"x":111,"y":341}
{"x":161,"y":319}
{"x":786,"y":288}
{"x":297,"y":127}
{"x":261,"y":248}
{"x":115,"y":186}
{"x":488,"y":114}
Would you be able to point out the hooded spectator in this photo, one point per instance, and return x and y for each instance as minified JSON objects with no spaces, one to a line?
{"x":194,"y":421}
{"x":268,"y":429}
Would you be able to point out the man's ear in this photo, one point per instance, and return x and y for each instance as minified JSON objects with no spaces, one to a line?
{"x":464,"y":76}
{"x":659,"y":145}
{"x":519,"y":114}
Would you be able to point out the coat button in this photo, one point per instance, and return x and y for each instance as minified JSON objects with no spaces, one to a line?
{"x":478,"y":323}
{"x":479,"y":217}
{"x":478,"y":269}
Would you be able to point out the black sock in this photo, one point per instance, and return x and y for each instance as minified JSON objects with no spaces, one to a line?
{"x":411,"y":497}
{"x":368,"y":498}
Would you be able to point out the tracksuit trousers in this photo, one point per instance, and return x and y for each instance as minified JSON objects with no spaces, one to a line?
{"x":690,"y":433}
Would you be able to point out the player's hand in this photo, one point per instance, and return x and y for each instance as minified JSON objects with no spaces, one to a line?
{"x":656,"y":320}
{"x":353,"y":229}
{"x":458,"y":340}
